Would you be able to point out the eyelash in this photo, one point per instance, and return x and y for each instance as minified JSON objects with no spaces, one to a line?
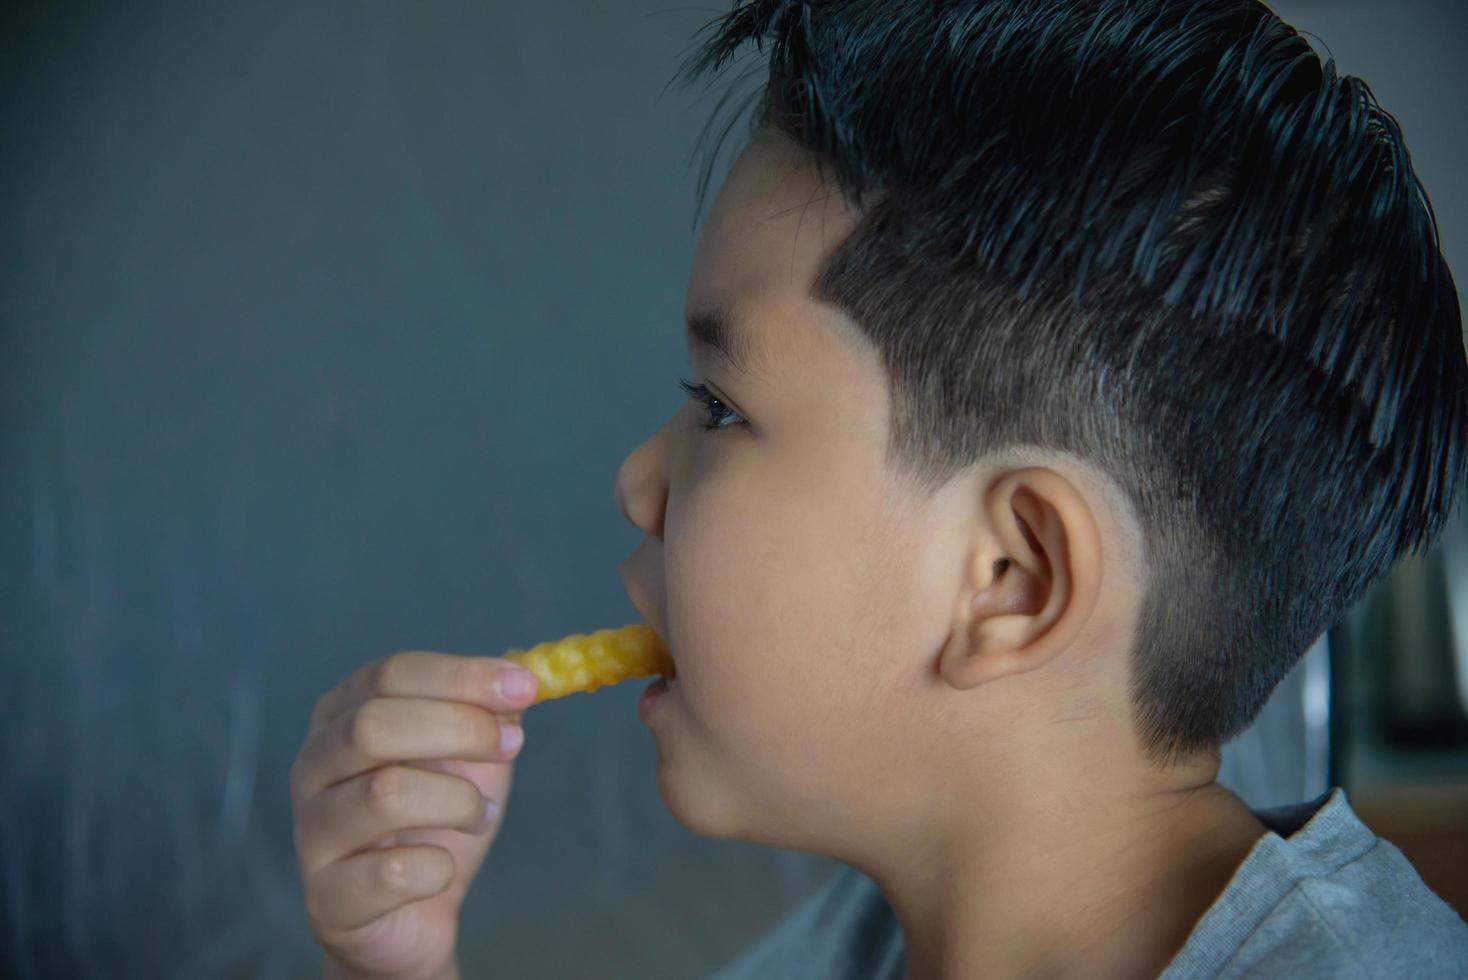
{"x":701,"y":394}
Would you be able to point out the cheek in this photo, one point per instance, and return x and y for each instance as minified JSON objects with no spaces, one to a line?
{"x":726,"y":554}
{"x":781,"y":605}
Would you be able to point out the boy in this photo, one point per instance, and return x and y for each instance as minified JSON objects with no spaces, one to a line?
{"x":1061,"y":371}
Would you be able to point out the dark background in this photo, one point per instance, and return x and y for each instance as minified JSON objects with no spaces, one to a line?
{"x":323,"y":330}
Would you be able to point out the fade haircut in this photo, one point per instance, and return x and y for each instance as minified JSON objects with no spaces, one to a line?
{"x":1161,"y":236}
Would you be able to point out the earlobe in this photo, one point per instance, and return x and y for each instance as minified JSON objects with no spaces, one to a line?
{"x":1034,"y":580}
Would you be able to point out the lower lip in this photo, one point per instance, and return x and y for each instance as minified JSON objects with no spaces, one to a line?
{"x":655,"y":692}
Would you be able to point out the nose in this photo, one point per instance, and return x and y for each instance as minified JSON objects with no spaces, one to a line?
{"x":641,"y":486}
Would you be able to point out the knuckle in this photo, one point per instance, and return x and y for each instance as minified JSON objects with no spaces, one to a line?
{"x":388,"y":672}
{"x":387,"y":790}
{"x":365,"y":730}
{"x":395,"y":872}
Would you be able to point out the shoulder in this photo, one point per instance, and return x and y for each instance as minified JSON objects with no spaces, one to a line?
{"x":1322,"y":896}
{"x":845,"y":928}
{"x":1374,"y":917}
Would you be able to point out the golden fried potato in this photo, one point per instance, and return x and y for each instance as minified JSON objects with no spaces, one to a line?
{"x":584,"y":662}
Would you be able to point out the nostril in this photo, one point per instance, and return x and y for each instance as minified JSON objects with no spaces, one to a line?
{"x":619,"y":490}
{"x":631,"y":487}
{"x":641,"y":485}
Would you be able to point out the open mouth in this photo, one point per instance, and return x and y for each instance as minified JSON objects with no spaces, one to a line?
{"x":663,"y":685}
{"x":667,"y":667}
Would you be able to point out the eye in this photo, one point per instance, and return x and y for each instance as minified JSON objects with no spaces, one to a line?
{"x":718,"y":412}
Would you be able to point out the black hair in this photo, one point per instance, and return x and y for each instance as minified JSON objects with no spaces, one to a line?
{"x":1161,"y":236}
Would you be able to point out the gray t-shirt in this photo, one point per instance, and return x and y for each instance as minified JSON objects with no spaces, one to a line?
{"x":1319,"y":897}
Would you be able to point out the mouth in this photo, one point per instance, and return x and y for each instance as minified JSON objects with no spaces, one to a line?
{"x":667,"y":677}
{"x":657,"y":660}
{"x":667,"y":666}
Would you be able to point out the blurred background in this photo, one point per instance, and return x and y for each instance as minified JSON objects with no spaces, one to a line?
{"x":323,"y":330}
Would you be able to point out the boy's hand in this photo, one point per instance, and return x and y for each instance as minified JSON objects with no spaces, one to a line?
{"x":389,"y":796}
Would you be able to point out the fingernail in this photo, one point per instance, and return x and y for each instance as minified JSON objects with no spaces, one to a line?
{"x":510,"y":737}
{"x":491,"y":810}
{"x":516,"y":683}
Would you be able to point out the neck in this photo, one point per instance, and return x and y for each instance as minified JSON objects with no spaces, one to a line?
{"x":1070,"y":884}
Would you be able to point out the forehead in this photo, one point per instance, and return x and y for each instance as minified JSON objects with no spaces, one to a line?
{"x":771,"y":228}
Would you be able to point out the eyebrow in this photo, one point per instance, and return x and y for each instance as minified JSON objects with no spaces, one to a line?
{"x":715,"y":330}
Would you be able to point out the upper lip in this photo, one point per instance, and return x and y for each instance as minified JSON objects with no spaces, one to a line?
{"x":634,"y":594}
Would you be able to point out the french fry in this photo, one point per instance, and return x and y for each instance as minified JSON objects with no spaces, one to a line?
{"x":585,"y":662}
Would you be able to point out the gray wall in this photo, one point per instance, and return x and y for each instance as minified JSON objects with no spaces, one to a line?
{"x":323,"y":329}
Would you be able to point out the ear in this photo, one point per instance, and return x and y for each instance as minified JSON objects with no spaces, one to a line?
{"x":1033,"y":579}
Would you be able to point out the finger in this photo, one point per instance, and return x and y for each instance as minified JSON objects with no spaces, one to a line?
{"x":351,"y":815}
{"x":389,"y":730}
{"x":492,"y":779}
{"x":423,"y":674}
{"x":354,"y":891}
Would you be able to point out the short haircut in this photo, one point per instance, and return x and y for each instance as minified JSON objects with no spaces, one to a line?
{"x":1161,"y":236}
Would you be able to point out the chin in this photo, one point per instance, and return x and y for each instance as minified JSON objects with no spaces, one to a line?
{"x":699,"y":804}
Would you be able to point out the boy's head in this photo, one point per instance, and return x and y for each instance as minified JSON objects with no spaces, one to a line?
{"x":1093,"y":358}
